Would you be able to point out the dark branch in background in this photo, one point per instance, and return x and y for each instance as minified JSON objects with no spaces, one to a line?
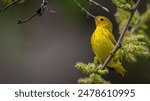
{"x":118,"y":45}
{"x":24,"y":21}
{"x":88,"y":13}
{"x":39,"y":12}
{"x":9,"y":5}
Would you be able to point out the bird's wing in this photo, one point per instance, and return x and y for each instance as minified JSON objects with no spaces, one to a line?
{"x":111,"y":37}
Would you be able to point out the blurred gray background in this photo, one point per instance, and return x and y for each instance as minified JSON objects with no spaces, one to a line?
{"x":45,"y":49}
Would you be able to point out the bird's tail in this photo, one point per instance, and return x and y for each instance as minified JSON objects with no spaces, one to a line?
{"x":118,"y":68}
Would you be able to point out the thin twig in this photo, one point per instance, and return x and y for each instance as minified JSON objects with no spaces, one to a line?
{"x":39,"y":12}
{"x":26,"y":20}
{"x":118,"y":45}
{"x":83,"y":9}
{"x":9,"y":5}
{"x":94,"y":2}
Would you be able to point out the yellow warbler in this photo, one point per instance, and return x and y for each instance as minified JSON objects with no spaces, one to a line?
{"x":103,"y":42}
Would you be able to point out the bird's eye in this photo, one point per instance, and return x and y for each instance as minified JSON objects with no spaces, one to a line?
{"x":102,"y":19}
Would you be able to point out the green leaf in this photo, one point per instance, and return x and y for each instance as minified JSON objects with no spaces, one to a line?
{"x":124,"y":4}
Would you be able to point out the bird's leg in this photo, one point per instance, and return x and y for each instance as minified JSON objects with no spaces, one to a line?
{"x":119,"y":45}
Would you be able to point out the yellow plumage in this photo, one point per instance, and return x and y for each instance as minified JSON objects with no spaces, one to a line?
{"x":103,"y":42}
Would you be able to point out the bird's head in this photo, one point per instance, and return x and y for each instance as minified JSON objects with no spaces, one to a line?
{"x":103,"y":22}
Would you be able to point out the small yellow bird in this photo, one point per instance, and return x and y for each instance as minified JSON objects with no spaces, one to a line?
{"x":103,"y":42}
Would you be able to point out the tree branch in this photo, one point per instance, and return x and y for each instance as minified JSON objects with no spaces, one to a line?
{"x":26,"y":20}
{"x":118,"y":45}
{"x":39,"y":12}
{"x":11,"y":4}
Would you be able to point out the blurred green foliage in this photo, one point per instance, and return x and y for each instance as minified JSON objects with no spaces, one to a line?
{"x":124,"y":4}
{"x":94,"y":72}
{"x":136,"y":42}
